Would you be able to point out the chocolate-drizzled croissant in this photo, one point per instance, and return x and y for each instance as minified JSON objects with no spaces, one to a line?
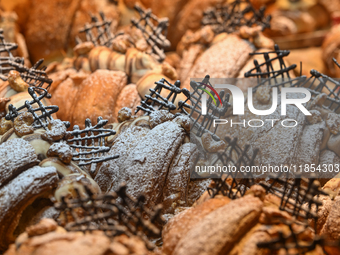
{"x":18,"y":99}
{"x":26,"y":189}
{"x":155,"y":159}
{"x":134,"y":63}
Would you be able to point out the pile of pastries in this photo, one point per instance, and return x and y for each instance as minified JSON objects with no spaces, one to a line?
{"x":96,"y":131}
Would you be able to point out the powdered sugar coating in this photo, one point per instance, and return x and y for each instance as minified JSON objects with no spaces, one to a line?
{"x":329,"y":157}
{"x":146,"y":165}
{"x":158,"y":117}
{"x":196,"y":188}
{"x":333,"y":123}
{"x":110,"y":171}
{"x":19,"y":193}
{"x":16,"y":155}
{"x":308,"y":149}
{"x":56,"y":132}
{"x":153,"y":162}
{"x":61,"y":150}
{"x":176,"y":186}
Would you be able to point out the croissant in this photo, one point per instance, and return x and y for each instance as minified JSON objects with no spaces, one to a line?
{"x":230,"y":227}
{"x":34,"y":169}
{"x":19,"y":199}
{"x":222,"y":55}
{"x":58,"y":241}
{"x":102,"y":93}
{"x":331,"y":49}
{"x":100,"y":69}
{"x":328,"y":213}
{"x":292,"y":18}
{"x":8,"y":24}
{"x":156,"y":146}
{"x":50,"y":27}
{"x":134,"y":63}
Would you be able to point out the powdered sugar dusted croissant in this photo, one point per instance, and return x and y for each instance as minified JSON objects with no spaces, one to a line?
{"x":22,"y":183}
{"x":34,"y":169}
{"x":155,"y":159}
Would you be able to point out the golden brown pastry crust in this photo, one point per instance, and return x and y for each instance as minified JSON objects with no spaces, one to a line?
{"x":69,"y":89}
{"x":147,"y":82}
{"x":189,"y":17}
{"x":222,"y":228}
{"x":128,"y":97}
{"x":47,"y":26}
{"x":46,"y":238}
{"x":331,"y":49}
{"x":170,"y":10}
{"x":222,"y":59}
{"x":82,"y":16}
{"x":97,"y":97}
{"x":333,"y":7}
{"x":59,"y":76}
{"x":50,"y":27}
{"x":3,"y":102}
{"x":179,"y":226}
{"x":329,"y":211}
{"x":188,"y":60}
